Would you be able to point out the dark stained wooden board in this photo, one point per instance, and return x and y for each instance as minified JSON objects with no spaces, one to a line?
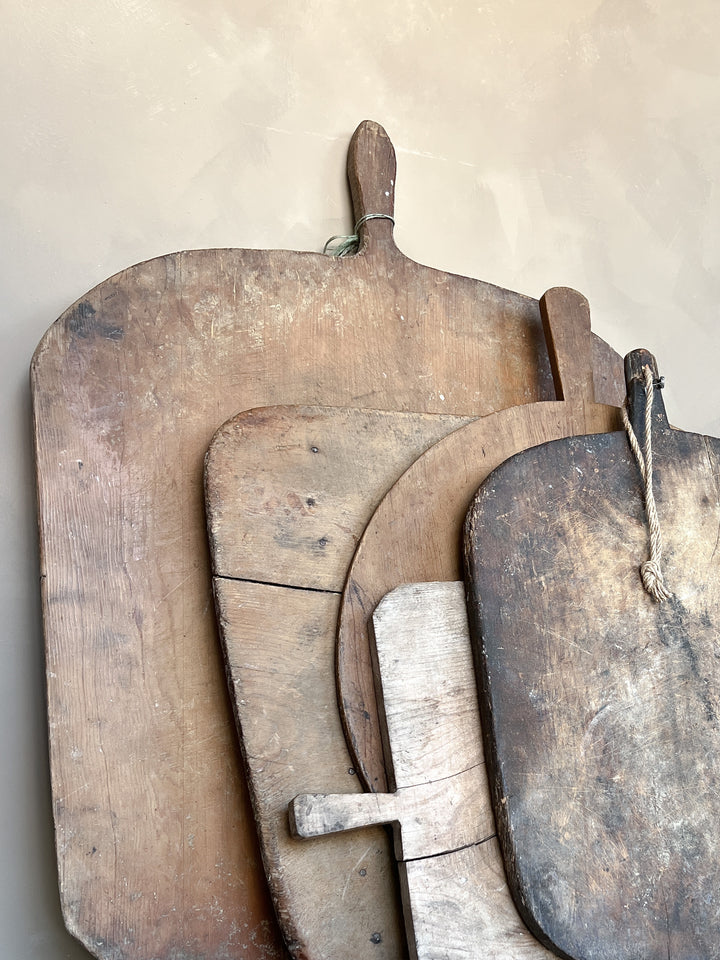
{"x":156,"y":846}
{"x":415,"y":534}
{"x":600,"y":705}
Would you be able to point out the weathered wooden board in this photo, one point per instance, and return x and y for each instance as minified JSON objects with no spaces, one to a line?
{"x":289,"y":489}
{"x":601,"y":704}
{"x":439,"y":806}
{"x":285,"y":510}
{"x":327,"y":901}
{"x":155,"y":843}
{"x":415,"y":534}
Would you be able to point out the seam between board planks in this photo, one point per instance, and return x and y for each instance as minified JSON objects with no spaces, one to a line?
{"x":272,"y":583}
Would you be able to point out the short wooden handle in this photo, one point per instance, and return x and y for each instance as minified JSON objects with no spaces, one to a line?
{"x":371,"y":172}
{"x":635,"y":363}
{"x":315,"y":814}
{"x":566,"y":322}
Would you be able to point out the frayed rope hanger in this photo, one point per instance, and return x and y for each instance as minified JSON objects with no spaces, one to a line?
{"x":340,"y":246}
{"x":650,"y":570}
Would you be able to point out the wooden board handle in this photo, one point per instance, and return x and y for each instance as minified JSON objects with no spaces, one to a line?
{"x":371,"y":171}
{"x":635,"y":363}
{"x":566,"y":323}
{"x":316,"y":814}
{"x":427,"y":819}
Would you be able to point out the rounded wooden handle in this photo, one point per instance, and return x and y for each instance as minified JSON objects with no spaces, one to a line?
{"x":635,"y":363}
{"x":371,"y":171}
{"x":566,"y":322}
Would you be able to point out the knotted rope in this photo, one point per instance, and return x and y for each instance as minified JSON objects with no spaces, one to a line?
{"x":650,"y":570}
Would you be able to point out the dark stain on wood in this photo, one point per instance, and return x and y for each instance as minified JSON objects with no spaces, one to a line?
{"x":83,"y":322}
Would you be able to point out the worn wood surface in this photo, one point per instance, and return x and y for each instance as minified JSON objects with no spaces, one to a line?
{"x":415,"y":534}
{"x":156,"y":848}
{"x":289,"y":489}
{"x":601,"y":705}
{"x":288,"y":492}
{"x":341,"y":898}
{"x":450,"y":870}
{"x":473,"y":878}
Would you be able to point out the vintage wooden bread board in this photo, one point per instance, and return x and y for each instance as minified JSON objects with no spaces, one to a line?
{"x":600,"y":703}
{"x":415,"y":534}
{"x":288,"y":492}
{"x":439,"y":807}
{"x":156,"y":848}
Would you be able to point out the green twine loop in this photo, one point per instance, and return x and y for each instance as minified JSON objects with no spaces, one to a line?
{"x":346,"y":246}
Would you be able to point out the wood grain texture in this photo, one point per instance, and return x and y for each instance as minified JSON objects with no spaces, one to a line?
{"x":468,"y":886}
{"x":425,"y":676}
{"x":327,"y":898}
{"x":415,"y":533}
{"x":289,"y":489}
{"x":155,"y":842}
{"x":569,"y":343}
{"x":600,"y":704}
{"x":456,"y":903}
{"x":288,"y":493}
{"x":430,"y":818}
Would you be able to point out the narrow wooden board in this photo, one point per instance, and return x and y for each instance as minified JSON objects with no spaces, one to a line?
{"x":155,"y":842}
{"x":327,"y":899}
{"x":601,"y":704}
{"x":285,"y":510}
{"x":440,"y":805}
{"x":415,"y":533}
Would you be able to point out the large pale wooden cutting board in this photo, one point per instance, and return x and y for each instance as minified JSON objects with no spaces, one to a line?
{"x":156,"y":849}
{"x":415,"y":534}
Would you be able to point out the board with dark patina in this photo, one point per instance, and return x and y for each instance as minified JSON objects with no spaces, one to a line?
{"x":601,"y":705}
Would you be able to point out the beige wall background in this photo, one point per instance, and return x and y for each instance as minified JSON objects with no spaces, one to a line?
{"x":569,"y":142}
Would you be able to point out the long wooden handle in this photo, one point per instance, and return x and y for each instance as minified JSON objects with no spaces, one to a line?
{"x":371,"y":172}
{"x":566,"y":322}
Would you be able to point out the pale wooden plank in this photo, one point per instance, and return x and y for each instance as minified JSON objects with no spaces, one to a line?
{"x":467,"y":890}
{"x":429,"y":711}
{"x":455,"y":899}
{"x":429,"y":818}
